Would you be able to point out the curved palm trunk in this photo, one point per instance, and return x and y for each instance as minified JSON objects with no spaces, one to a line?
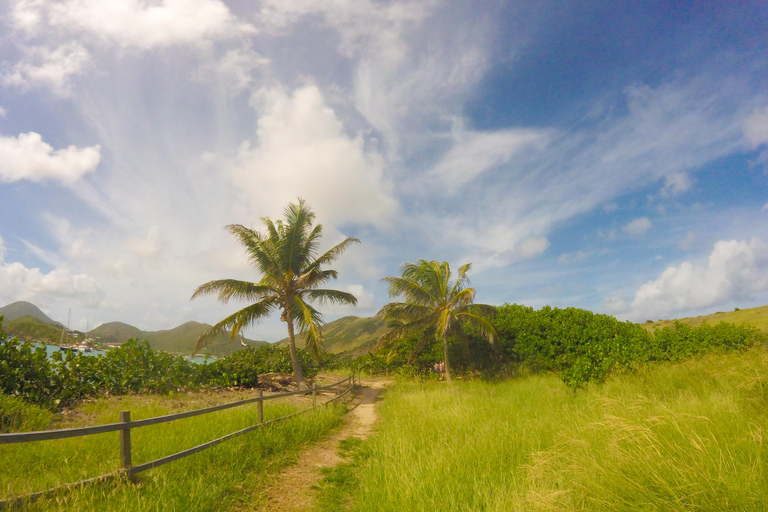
{"x":445,"y":355}
{"x":298,"y":374}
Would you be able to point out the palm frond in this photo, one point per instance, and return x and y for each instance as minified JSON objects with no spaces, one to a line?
{"x":233,"y":289}
{"x":324,"y":297}
{"x":308,"y":319}
{"x":332,"y":254}
{"x":262,"y":252}
{"x":462,"y":298}
{"x":462,"y":281}
{"x":411,"y":290}
{"x":298,"y":222}
{"x":315,"y":278}
{"x":404,"y":330}
{"x":236,"y":322}
{"x":405,"y":312}
{"x":484,"y":326}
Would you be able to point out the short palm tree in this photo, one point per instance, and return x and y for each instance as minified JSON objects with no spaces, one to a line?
{"x":434,"y":306}
{"x":292,"y":273}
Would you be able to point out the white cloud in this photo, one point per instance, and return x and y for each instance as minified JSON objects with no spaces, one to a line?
{"x":755,"y":127}
{"x":27,"y":15}
{"x":638,"y":227}
{"x":136,"y":23}
{"x":28,"y":157}
{"x":18,"y":282}
{"x":3,"y":113}
{"x":46,"y":67}
{"x":676,"y":184}
{"x":235,"y":68}
{"x":302,"y":150}
{"x":735,"y":271}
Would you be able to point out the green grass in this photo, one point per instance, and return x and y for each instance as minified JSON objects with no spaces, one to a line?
{"x":218,"y":478}
{"x":756,"y":317}
{"x":684,"y":437}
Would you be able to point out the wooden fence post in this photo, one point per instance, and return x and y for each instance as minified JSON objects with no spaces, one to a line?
{"x":125,"y":441}
{"x":261,"y":407}
{"x":314,"y":395}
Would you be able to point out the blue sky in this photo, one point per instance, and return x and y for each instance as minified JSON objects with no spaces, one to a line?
{"x":605,"y":155}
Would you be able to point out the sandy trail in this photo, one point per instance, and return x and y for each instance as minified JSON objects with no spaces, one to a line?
{"x":292,"y":490}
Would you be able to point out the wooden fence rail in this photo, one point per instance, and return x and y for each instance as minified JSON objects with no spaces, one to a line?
{"x":125,"y":425}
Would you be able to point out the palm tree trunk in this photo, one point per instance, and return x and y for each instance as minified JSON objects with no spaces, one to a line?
{"x":445,"y":355}
{"x":298,"y":374}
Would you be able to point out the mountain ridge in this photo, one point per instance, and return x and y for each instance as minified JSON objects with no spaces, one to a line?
{"x":23,"y":320}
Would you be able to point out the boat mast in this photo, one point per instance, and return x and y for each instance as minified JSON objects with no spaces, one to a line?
{"x":65,"y":331}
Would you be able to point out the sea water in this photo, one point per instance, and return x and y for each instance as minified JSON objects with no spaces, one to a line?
{"x":51,"y":349}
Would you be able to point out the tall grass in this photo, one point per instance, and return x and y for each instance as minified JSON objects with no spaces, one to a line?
{"x":671,"y":437}
{"x":203,"y":481}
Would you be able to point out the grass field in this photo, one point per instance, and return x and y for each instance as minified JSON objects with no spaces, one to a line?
{"x":219,"y":478}
{"x":757,"y":317}
{"x":678,"y":437}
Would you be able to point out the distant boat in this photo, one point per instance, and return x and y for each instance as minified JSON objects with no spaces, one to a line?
{"x":83,"y":348}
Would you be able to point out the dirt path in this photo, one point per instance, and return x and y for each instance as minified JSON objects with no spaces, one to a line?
{"x":292,"y":489}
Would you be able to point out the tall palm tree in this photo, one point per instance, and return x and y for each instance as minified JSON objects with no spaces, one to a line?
{"x":292,"y":273}
{"x":435,"y":307}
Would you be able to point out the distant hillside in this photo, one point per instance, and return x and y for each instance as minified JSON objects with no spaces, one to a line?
{"x":181,"y":339}
{"x":30,"y":328}
{"x":350,"y":335}
{"x":21,"y":308}
{"x":25,"y":321}
{"x":757,"y":317}
{"x":116,"y":332}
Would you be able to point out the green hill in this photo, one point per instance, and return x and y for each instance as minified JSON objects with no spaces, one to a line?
{"x":350,"y":335}
{"x":25,"y":321}
{"x":757,"y":317}
{"x":184,"y":337}
{"x":21,"y":308}
{"x":116,"y":332}
{"x":180,"y":339}
{"x":30,"y":328}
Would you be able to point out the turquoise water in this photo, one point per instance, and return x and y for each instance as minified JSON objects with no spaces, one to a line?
{"x":50,"y":349}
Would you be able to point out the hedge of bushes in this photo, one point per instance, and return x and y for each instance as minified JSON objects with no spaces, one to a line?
{"x":27,"y":372}
{"x":578,"y":345}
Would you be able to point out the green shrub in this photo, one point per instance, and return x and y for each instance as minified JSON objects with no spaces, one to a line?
{"x":25,"y":370}
{"x":244,"y":366}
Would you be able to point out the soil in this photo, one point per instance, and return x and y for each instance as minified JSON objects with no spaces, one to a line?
{"x":292,"y":490}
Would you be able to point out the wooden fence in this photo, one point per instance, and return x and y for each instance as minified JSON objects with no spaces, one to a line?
{"x":125,"y":425}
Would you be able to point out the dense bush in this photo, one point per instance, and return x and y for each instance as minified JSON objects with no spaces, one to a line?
{"x":243,"y":367}
{"x":578,"y":345}
{"x":26,"y":372}
{"x":585,"y":347}
{"x":682,"y":341}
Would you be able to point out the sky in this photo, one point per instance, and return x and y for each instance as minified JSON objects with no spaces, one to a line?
{"x":608,"y":155}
